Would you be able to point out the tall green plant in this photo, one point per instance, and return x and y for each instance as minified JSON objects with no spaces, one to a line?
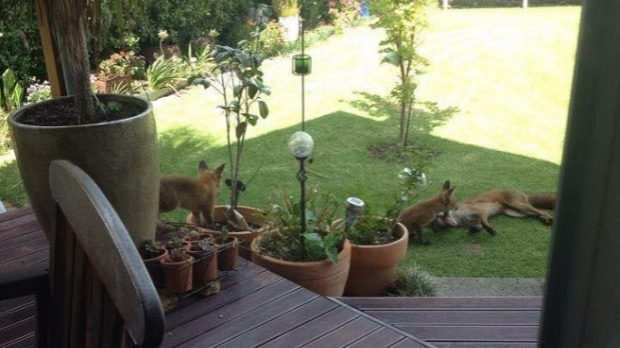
{"x":402,"y":21}
{"x":238,"y":78}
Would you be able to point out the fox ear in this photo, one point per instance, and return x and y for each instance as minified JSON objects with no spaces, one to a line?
{"x":446,"y":185}
{"x":202,"y":165}
{"x":220,"y":169}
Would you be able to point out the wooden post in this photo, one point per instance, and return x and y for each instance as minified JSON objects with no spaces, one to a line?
{"x":50,"y":52}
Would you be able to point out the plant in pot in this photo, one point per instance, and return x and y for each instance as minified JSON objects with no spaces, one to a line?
{"x":237,"y":76}
{"x":119,"y":69}
{"x":317,"y":260}
{"x":177,"y":269}
{"x":205,"y":261}
{"x":111,"y":137}
{"x":227,"y":251}
{"x":378,"y":241}
{"x":152,"y":252}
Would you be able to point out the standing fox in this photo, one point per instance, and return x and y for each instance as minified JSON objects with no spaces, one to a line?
{"x":196,"y":195}
{"x":417,"y":216}
{"x":475,"y":211}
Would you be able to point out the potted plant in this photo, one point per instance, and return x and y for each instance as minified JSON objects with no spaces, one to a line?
{"x":378,"y":241}
{"x":119,"y":69}
{"x":227,"y":251}
{"x":317,"y":260}
{"x":237,"y":76}
{"x":205,"y":261}
{"x":288,"y":17}
{"x":152,"y":252}
{"x":111,"y":137}
{"x":178,"y":270}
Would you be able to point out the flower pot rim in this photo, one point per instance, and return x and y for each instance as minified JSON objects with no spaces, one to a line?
{"x":254,"y":248}
{"x":167,"y":262}
{"x":405,"y":234}
{"x":14,"y":116}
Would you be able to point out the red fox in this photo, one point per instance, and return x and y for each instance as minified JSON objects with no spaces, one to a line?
{"x":417,"y":216}
{"x":196,"y":195}
{"x":475,"y":210}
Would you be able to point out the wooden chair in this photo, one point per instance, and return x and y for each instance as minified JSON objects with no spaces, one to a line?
{"x":98,"y":292}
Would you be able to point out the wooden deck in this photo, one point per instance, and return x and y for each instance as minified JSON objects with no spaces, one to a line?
{"x":463,"y":322}
{"x":256,"y":308}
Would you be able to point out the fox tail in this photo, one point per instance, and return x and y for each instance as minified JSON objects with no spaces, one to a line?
{"x":542,"y":201}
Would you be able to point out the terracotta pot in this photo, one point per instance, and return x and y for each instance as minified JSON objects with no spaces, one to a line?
{"x":227,"y":253}
{"x":177,"y":274}
{"x":153,"y":266}
{"x":322,"y":277}
{"x":108,"y":85}
{"x":373,"y":267}
{"x":205,"y":266}
{"x":245,"y":237}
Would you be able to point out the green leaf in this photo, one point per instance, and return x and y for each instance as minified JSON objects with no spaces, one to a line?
{"x":332,"y":254}
{"x":241,"y":129}
{"x":252,"y":119}
{"x":252,"y":90}
{"x":313,"y":237}
{"x":263,"y":109}
{"x":237,"y":90}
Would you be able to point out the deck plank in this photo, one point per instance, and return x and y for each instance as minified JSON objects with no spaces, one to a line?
{"x":458,"y":317}
{"x":346,"y":334}
{"x":273,"y":326}
{"x":250,"y":324}
{"x":321,"y":325}
{"x":221,"y":315}
{"x":383,"y":337}
{"x":473,"y":333}
{"x":438,"y":303}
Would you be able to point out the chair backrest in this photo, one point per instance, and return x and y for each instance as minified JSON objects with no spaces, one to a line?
{"x":100,"y":288}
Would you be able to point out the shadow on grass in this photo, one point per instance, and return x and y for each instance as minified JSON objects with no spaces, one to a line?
{"x":424,"y":119}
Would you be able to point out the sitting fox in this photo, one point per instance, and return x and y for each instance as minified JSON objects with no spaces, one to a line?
{"x":417,"y":216}
{"x":475,"y":211}
{"x":196,"y":195}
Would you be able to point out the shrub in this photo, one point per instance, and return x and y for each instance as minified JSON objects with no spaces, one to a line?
{"x":163,"y":72}
{"x":122,"y":64}
{"x":412,"y":281}
{"x":271,"y":42}
{"x":19,"y":38}
{"x":37,"y":92}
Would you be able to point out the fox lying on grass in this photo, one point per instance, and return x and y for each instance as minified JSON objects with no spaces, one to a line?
{"x":419,"y":215}
{"x":475,"y":211}
{"x":196,"y":195}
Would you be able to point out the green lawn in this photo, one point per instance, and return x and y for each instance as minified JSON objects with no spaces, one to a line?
{"x":501,"y":79}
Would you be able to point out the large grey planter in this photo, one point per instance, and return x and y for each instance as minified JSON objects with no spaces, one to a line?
{"x":121,"y":157}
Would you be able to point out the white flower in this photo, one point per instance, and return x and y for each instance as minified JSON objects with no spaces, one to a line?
{"x":213,"y":33}
{"x":163,"y":34}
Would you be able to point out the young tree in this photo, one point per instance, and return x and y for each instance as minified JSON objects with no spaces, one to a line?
{"x":402,"y":21}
